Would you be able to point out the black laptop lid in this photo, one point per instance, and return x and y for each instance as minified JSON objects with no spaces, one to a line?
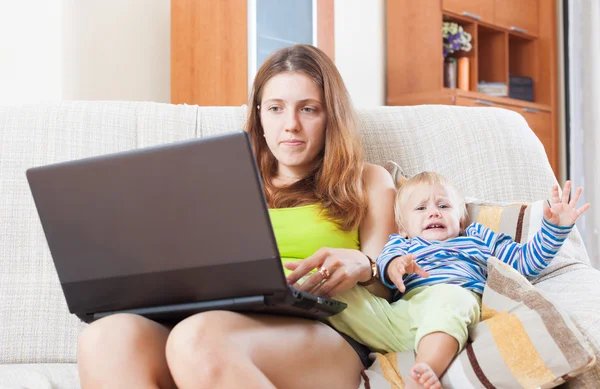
{"x":157,"y":226}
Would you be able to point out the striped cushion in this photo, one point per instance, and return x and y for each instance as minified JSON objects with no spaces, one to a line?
{"x":519,"y":221}
{"x":524,"y":341}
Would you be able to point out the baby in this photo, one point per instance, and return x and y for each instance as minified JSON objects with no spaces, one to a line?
{"x":439,"y":270}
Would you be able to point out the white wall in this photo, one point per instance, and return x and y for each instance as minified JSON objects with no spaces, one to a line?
{"x":30,"y":43}
{"x":116,"y":50}
{"x":52,"y":50}
{"x":360,"y":49}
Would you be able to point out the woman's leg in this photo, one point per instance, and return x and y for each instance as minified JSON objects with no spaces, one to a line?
{"x":373,"y":321}
{"x":123,"y":351}
{"x":222,"y":349}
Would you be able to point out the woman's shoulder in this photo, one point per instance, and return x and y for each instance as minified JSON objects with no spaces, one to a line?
{"x":376,"y":177}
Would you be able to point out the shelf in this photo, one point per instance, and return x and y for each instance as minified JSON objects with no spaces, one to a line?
{"x":499,"y":100}
{"x":448,"y":96}
{"x":498,"y":52}
{"x":464,"y":19}
{"x":523,"y":60}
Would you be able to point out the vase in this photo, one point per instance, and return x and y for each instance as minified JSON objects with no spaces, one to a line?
{"x":450,"y":73}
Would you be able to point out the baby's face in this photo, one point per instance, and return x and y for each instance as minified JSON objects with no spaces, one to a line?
{"x":429,"y":213}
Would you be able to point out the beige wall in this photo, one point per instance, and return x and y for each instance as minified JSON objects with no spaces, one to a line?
{"x":360,"y":49}
{"x":116,"y":50}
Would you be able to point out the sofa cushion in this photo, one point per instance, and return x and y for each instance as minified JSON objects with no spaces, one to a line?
{"x":523,"y":340}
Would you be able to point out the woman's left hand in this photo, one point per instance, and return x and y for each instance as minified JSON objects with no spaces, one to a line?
{"x":337,"y":271}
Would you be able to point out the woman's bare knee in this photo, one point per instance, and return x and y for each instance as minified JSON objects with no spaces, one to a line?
{"x":123,"y":347}
{"x":197,"y":347}
{"x":122,"y":331}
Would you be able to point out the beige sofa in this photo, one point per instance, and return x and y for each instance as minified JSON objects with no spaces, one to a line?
{"x":489,"y":152}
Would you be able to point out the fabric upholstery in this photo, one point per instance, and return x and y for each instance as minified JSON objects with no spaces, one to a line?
{"x":39,"y":376}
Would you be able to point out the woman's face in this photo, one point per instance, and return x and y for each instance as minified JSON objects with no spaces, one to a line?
{"x":293,"y":117}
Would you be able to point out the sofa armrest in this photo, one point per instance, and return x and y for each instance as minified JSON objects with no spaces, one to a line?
{"x":577,"y":292}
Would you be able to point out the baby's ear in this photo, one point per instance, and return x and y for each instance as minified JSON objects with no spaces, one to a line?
{"x":402,"y":233}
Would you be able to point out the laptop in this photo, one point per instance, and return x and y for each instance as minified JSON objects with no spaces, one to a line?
{"x":166,"y":232}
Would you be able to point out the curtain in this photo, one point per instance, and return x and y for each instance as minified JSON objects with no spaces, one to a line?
{"x":584,"y":111}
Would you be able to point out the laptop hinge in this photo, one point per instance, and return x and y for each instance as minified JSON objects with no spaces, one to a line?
{"x":187,"y":309}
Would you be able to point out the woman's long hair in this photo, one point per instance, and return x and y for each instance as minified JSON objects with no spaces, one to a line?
{"x":335,"y":183}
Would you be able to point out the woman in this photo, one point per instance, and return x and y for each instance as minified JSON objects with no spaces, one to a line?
{"x":330,"y":211}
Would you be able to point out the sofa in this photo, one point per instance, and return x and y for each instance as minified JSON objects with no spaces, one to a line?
{"x":489,"y":152}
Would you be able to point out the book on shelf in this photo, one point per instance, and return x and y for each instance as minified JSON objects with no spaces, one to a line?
{"x":521,"y":87}
{"x":499,"y":89}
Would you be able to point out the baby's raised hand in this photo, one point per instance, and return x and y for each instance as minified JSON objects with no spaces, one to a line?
{"x":400,"y":266}
{"x":562,"y":211}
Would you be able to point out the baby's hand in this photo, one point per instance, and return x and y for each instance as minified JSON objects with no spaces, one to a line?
{"x":562,"y":212}
{"x":400,"y":266}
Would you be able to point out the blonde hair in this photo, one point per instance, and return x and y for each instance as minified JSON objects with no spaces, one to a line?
{"x":431,"y":179}
{"x":336,"y":182}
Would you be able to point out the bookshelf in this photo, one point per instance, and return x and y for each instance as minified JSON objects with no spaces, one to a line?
{"x":509,"y":37}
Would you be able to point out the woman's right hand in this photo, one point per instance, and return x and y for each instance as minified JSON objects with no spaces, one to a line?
{"x":400,"y":266}
{"x":337,"y":271}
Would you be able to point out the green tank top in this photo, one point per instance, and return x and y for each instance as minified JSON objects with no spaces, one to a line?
{"x":301,"y":231}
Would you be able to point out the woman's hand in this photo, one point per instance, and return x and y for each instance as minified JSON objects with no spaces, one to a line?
{"x":337,"y":271}
{"x":562,"y":211}
{"x":400,"y":266}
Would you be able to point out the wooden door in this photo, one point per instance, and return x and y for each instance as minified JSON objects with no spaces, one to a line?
{"x":209,"y":52}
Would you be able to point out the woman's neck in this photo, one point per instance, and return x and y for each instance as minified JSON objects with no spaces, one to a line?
{"x":287,"y":176}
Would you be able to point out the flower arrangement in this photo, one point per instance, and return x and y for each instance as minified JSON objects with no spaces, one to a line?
{"x":455,"y":38}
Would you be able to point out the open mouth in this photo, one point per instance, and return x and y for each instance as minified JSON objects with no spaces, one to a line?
{"x":435,"y":227}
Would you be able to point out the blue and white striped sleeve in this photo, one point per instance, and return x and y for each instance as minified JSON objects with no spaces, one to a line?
{"x":530,"y":258}
{"x":395,"y":247}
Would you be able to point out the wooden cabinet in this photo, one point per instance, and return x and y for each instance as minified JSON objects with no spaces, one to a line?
{"x":541,"y":123}
{"x":470,"y":102}
{"x":509,"y":38}
{"x":482,"y":10}
{"x":518,"y":15}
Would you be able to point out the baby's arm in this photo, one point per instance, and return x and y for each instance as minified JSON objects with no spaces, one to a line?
{"x":531,"y":258}
{"x":395,"y":261}
{"x":395,"y":247}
